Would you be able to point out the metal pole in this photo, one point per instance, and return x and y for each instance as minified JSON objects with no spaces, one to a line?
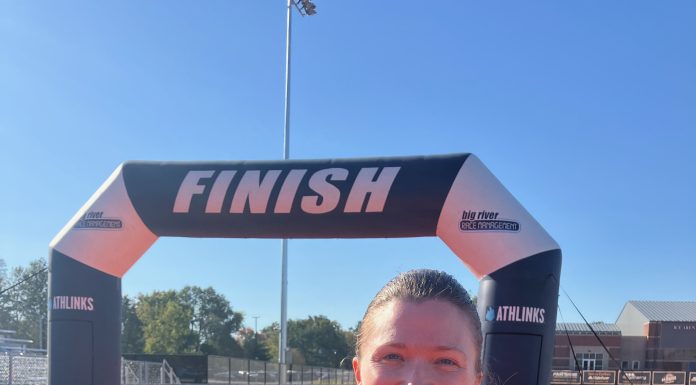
{"x":256,"y":339}
{"x":283,"y":343}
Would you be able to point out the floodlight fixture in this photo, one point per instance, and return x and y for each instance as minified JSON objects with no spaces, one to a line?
{"x":306,"y":8}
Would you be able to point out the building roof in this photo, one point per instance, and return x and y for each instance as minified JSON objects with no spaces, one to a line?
{"x":581,"y":328}
{"x":679,"y":311}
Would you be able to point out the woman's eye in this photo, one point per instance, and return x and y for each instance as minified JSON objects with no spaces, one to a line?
{"x":392,"y":357}
{"x":446,"y":362}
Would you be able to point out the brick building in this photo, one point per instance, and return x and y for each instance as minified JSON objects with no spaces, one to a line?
{"x":647,"y":335}
{"x":589,"y":352}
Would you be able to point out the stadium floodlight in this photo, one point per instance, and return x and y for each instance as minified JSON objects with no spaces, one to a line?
{"x":305,"y":8}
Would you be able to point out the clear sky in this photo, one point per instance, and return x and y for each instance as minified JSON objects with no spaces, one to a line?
{"x":586,"y":111}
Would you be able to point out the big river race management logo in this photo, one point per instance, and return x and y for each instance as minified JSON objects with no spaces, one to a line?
{"x":485,"y":220}
{"x":507,"y":313}
{"x":95,"y":220}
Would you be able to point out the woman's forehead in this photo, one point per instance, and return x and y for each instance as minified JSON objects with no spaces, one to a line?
{"x":431,"y":322}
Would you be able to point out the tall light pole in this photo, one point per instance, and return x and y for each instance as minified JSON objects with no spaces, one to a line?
{"x":306,"y":8}
{"x":256,"y":337}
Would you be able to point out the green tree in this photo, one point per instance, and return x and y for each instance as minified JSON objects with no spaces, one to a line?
{"x":270,"y":339}
{"x":5,"y":318}
{"x":321,"y":341}
{"x":3,"y":274}
{"x":213,"y":320}
{"x":315,"y":340}
{"x":166,"y":323}
{"x":132,"y":328}
{"x":253,"y":344}
{"x":26,"y":304}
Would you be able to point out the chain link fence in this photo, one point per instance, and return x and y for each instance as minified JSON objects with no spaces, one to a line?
{"x":228,"y":370}
{"x":143,"y":372}
{"x":33,"y":370}
{"x":23,"y":369}
{"x":18,"y":369}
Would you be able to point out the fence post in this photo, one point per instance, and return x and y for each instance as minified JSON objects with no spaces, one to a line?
{"x":264,"y":372}
{"x":248,"y":372}
{"x":229,"y":370}
{"x":10,"y":369}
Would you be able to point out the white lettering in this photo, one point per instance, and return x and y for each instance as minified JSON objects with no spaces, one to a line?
{"x":218,"y":192}
{"x":368,"y":193}
{"x":288,"y":191}
{"x":520,"y":314}
{"x":255,"y":191}
{"x":378,"y":189}
{"x":328,"y":193}
{"x":190,"y":187}
{"x":535,"y":318}
{"x":528,"y":314}
{"x":66,"y":302}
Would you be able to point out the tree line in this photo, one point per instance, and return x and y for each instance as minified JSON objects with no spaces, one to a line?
{"x":189,"y":320}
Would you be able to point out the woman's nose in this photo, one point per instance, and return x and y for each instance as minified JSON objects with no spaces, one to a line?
{"x":418,"y":374}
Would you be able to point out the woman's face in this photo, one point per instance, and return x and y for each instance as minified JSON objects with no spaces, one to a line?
{"x":427,"y":343}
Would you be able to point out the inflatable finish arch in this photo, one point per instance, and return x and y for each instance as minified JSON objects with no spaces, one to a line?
{"x":453,"y":197}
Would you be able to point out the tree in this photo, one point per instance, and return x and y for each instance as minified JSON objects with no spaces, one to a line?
{"x":271,"y":334}
{"x":3,"y":273}
{"x":321,"y":341}
{"x":213,"y":320}
{"x":132,"y":328}
{"x":5,"y":318}
{"x":254,"y":345}
{"x":315,"y":340}
{"x":166,"y":323}
{"x":25,"y":309}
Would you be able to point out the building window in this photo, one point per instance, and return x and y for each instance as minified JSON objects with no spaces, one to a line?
{"x":624,"y":365}
{"x":591,"y":361}
{"x":636,"y":365}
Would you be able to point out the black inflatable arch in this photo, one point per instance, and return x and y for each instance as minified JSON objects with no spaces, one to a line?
{"x":453,"y":197}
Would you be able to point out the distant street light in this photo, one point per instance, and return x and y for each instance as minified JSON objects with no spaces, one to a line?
{"x":305,"y":8}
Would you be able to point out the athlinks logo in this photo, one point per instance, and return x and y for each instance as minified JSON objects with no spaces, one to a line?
{"x":515,"y":314}
{"x":486,"y":221}
{"x":69,"y":302}
{"x":95,"y":220}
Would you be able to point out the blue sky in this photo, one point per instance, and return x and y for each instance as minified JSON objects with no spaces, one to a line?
{"x":586,"y":111}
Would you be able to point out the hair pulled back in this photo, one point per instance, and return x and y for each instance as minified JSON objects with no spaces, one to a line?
{"x":419,"y":286}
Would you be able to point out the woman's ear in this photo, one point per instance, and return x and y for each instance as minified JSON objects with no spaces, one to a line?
{"x":356,"y":370}
{"x":479,"y":378}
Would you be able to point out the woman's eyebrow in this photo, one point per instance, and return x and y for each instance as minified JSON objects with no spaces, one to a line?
{"x":400,"y":345}
{"x":450,"y":348}
{"x":397,"y":345}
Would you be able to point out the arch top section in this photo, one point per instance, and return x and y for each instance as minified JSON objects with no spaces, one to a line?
{"x":337,"y":198}
{"x":452,"y":196}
